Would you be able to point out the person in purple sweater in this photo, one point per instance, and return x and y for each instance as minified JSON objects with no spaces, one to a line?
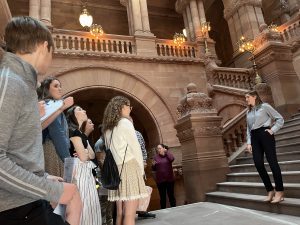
{"x":162,"y":165}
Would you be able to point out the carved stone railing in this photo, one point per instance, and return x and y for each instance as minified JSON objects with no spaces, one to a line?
{"x":232,"y":77}
{"x":76,"y":41}
{"x":235,"y":133}
{"x":169,"y":49}
{"x":290,"y":31}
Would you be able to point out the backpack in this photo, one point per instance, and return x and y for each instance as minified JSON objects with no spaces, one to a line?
{"x":110,"y":177}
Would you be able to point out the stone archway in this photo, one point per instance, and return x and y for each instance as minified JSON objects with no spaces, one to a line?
{"x":114,"y":80}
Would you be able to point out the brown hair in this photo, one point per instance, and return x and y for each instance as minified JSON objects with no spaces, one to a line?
{"x":72,"y":120}
{"x":112,"y":113}
{"x":23,"y":34}
{"x":43,"y":89}
{"x":258,"y":100}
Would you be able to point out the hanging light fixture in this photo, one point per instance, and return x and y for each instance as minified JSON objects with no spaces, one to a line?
{"x":96,"y":30}
{"x":178,"y":39}
{"x":85,"y":19}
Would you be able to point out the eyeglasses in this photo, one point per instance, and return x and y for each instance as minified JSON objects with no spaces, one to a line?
{"x":130,"y":107}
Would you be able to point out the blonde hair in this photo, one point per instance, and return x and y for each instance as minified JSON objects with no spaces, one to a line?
{"x":113,"y":112}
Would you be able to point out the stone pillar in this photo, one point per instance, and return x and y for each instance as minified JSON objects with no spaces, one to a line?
{"x":203,"y":157}
{"x":186,"y":25}
{"x":275,"y":62}
{"x":145,"y":16}
{"x":201,"y":11}
{"x":190,"y":22}
{"x":244,"y":18}
{"x":128,"y":6}
{"x":195,"y":18}
{"x":46,"y":12}
{"x":5,"y":17}
{"x":34,"y":8}
{"x":294,"y":6}
{"x":136,"y":16}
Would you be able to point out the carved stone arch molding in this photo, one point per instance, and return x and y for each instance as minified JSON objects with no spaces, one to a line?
{"x":82,"y":78}
{"x":230,"y":110}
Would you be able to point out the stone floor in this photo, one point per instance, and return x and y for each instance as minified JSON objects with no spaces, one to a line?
{"x":206,"y":213}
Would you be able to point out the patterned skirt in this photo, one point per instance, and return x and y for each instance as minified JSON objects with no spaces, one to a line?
{"x":53,"y":164}
{"x":132,"y":185}
{"x":85,"y":181}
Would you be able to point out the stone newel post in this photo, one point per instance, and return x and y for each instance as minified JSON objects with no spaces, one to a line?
{"x":199,"y":131}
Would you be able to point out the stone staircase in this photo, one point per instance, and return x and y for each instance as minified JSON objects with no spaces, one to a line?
{"x":244,"y":187}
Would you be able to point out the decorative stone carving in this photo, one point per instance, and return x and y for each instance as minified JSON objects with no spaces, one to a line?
{"x":185,"y":135}
{"x":236,"y":4}
{"x":274,"y":56}
{"x":194,"y":102}
{"x":266,"y":35}
{"x":180,"y":5}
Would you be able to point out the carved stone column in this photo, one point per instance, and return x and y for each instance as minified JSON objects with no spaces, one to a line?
{"x":46,"y":12}
{"x":5,"y":17}
{"x":275,"y":62}
{"x":186,"y":25}
{"x":244,"y":18}
{"x":136,"y":15}
{"x":201,"y":10}
{"x":34,"y":8}
{"x":190,"y":22}
{"x":195,"y":18}
{"x":203,"y":157}
{"x":145,"y":16}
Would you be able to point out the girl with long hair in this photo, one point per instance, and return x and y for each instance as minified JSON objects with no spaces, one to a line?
{"x":56,"y":141}
{"x":263,"y":121}
{"x":83,"y":175}
{"x":121,"y":139}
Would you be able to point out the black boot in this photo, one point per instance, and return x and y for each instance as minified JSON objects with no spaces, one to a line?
{"x":145,"y":215}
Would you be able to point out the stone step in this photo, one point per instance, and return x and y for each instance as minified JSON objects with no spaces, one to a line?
{"x":281,"y":156}
{"x":291,"y":121}
{"x":293,"y":165}
{"x":295,"y":116}
{"x":291,"y":190}
{"x":290,"y":206}
{"x":288,"y":147}
{"x":287,"y":128}
{"x":292,"y":131}
{"x":288,"y":139}
{"x":287,"y":176}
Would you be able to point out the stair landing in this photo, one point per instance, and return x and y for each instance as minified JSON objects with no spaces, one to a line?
{"x":208,"y":213}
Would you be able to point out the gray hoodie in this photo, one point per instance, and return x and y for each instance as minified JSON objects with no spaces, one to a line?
{"x":22,"y":176}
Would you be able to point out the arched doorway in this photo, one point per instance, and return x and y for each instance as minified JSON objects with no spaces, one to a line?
{"x":92,"y":87}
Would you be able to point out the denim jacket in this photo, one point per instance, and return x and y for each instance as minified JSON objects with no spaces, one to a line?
{"x":58,"y":133}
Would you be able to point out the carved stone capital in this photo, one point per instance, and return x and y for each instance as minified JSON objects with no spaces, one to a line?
{"x":194,"y":102}
{"x":124,"y":2}
{"x":236,"y":4}
{"x":180,"y":5}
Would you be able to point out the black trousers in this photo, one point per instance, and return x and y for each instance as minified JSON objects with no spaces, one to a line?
{"x":165,"y":188}
{"x":264,"y":143}
{"x":36,"y":213}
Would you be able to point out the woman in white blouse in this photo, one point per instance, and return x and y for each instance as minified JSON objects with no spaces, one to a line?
{"x":121,"y":139}
{"x":262,"y":123}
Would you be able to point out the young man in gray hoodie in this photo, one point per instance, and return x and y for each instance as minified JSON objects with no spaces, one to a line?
{"x":25,"y":189}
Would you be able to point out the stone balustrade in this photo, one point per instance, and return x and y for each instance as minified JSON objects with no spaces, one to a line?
{"x":234,"y":133}
{"x":76,"y":41}
{"x":290,"y":32}
{"x":233,"y":77}
{"x":169,"y":49}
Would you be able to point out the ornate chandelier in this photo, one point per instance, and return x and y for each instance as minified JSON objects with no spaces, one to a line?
{"x":96,"y":30}
{"x":85,"y":18}
{"x":178,"y":39}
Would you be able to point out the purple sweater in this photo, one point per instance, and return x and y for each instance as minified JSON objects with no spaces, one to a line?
{"x":163,"y":167}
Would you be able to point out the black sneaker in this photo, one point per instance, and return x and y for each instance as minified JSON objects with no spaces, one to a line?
{"x":145,"y":215}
